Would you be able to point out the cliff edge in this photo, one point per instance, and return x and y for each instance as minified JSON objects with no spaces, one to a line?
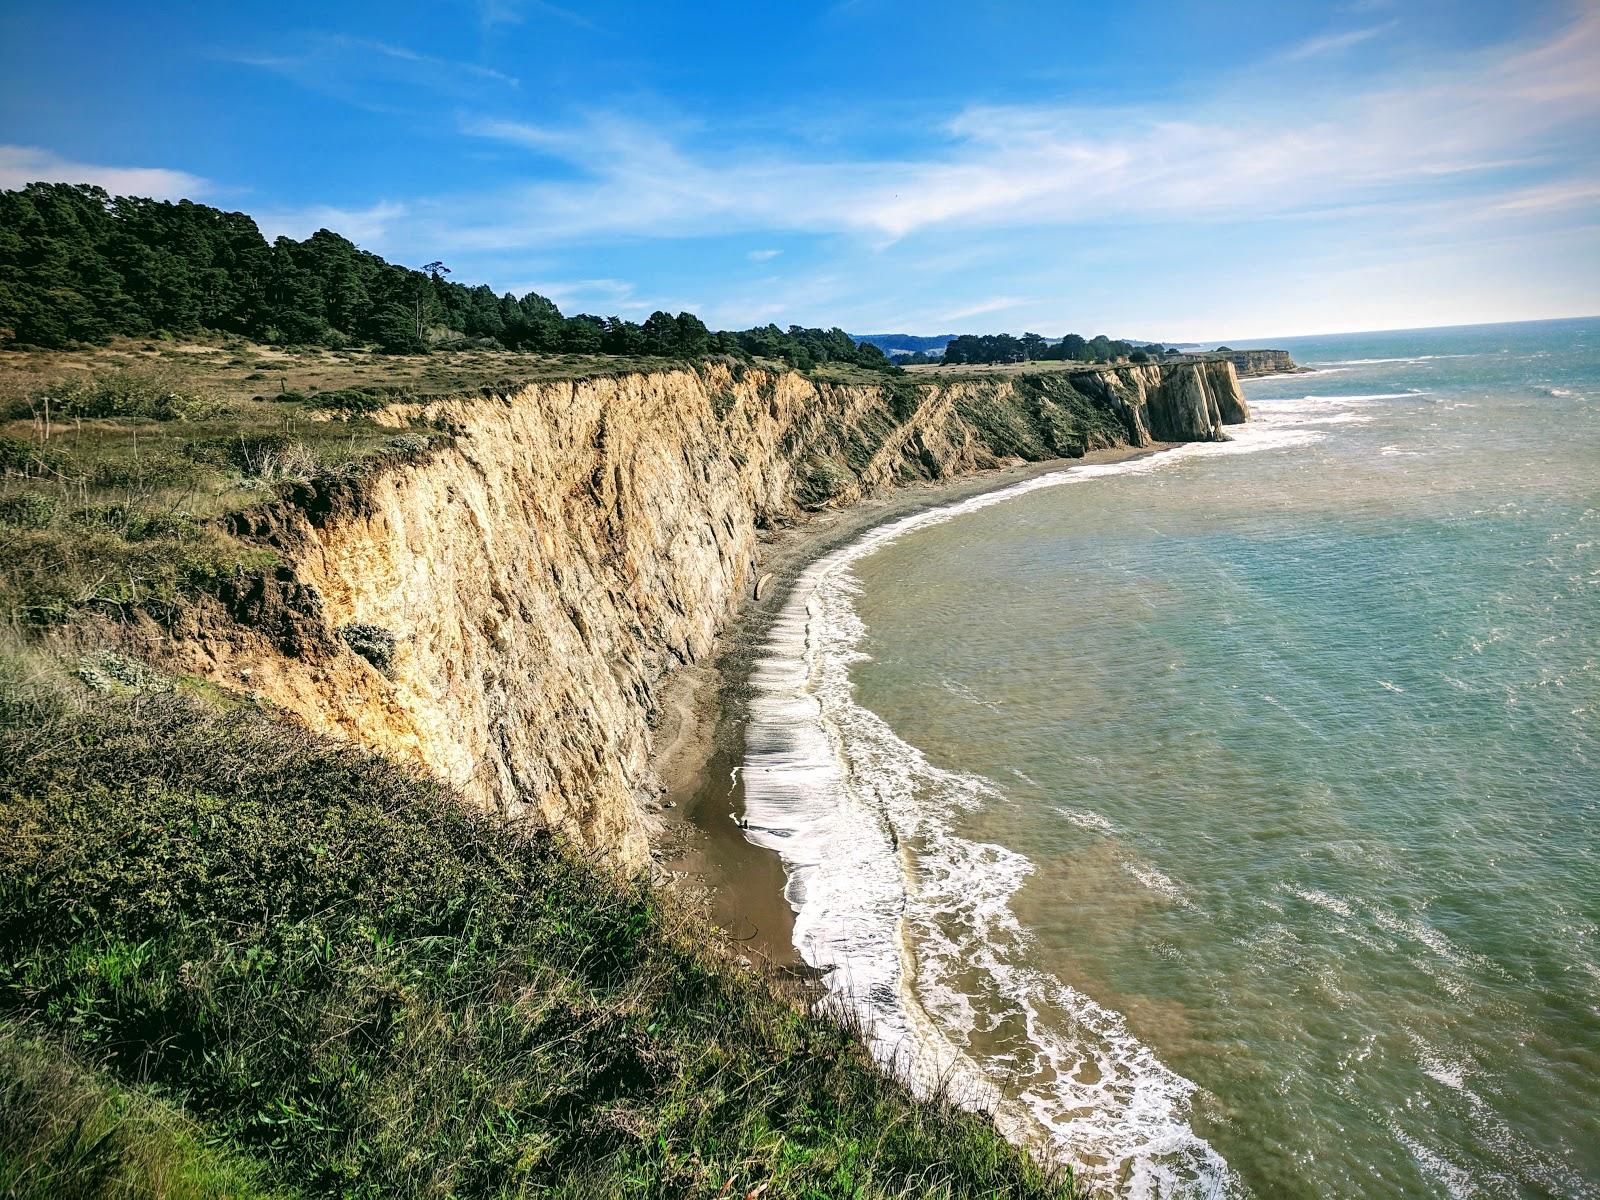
{"x":504,"y":609}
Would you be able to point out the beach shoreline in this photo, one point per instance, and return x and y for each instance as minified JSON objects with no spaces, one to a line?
{"x":699,"y":741}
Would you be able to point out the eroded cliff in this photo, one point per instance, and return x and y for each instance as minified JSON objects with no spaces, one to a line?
{"x":1250,"y":363}
{"x":504,"y":609}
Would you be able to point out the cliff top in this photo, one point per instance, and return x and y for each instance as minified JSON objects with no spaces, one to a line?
{"x":235,"y":369}
{"x":116,"y":461}
{"x":1258,"y":362}
{"x":1031,"y":367}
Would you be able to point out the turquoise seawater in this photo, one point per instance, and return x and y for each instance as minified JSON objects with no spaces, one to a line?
{"x":1228,"y":820}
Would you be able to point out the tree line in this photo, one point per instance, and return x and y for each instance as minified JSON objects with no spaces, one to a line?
{"x":1033,"y":347}
{"x":80,"y":265}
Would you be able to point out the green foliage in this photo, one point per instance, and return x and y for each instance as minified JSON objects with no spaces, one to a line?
{"x":396,"y":332}
{"x":67,"y":1130}
{"x":27,"y":510}
{"x":985,"y":348}
{"x":353,"y":401}
{"x":116,"y":674}
{"x":156,"y":394}
{"x":344,"y":976}
{"x":1042,"y":417}
{"x":115,"y":499}
{"x":116,"y":557}
{"x":78,"y":265}
{"x":372,"y":642}
{"x":805,"y":348}
{"x":904,"y":398}
{"x":119,"y":508}
{"x":25,"y":459}
{"x":820,"y":481}
{"x":1031,"y":347}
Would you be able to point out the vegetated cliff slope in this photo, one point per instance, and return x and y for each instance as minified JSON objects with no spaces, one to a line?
{"x":503,"y":610}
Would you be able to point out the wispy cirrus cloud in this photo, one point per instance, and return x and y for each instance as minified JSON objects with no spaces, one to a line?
{"x":514,"y":12}
{"x":20,"y":165}
{"x":1335,"y":43}
{"x":982,"y":308}
{"x":431,"y":63}
{"x":612,"y":295}
{"x":368,"y":227}
{"x":1454,"y":124}
{"x":1565,"y":195}
{"x":366,"y":72}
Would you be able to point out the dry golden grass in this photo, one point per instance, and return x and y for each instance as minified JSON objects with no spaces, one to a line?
{"x":240,"y":370}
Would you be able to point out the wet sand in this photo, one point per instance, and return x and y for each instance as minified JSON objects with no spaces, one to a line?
{"x":699,"y":741}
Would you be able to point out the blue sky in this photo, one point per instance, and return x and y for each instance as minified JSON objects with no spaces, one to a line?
{"x":1174,"y":170}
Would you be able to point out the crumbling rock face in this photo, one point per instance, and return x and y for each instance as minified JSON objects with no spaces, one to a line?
{"x":1250,"y":363}
{"x":1183,"y":402}
{"x":534,"y":581}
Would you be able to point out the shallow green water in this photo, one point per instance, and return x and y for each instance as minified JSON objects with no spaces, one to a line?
{"x":1242,"y":804}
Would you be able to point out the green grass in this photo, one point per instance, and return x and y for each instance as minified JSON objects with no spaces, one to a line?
{"x":116,"y":464}
{"x":112,"y":483}
{"x":236,"y":959}
{"x":323,"y":966}
{"x":67,"y":1130}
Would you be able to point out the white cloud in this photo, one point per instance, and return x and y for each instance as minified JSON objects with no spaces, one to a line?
{"x":1265,"y":150}
{"x":760,"y":256}
{"x":1333,"y":43}
{"x":401,"y":54}
{"x":377,"y":75}
{"x":999,"y":304}
{"x":28,"y":164}
{"x":367,"y":227}
{"x":1572,"y":193}
{"x":510,"y":12}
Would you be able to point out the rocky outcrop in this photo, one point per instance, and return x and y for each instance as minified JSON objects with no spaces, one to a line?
{"x":1247,"y":364}
{"x":1250,"y":363}
{"x":503,"y":609}
{"x":1186,"y":402}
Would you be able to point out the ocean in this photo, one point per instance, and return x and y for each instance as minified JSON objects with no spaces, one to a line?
{"x":1225,"y":820}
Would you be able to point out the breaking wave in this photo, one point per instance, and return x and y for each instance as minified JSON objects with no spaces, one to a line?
{"x":911,"y":924}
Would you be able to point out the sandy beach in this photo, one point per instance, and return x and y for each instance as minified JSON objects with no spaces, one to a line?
{"x":700,"y":739}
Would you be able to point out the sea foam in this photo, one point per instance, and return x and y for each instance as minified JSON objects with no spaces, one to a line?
{"x":911,"y":924}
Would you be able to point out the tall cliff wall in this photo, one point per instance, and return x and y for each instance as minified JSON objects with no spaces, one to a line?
{"x":575,"y":541}
{"x":1247,"y":364}
{"x":1250,"y":363}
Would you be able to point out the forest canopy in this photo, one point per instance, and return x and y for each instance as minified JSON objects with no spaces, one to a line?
{"x":1031,"y":347}
{"x":80,"y":265}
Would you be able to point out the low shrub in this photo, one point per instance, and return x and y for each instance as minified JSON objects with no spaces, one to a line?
{"x":372,"y":642}
{"x":25,"y":459}
{"x":271,"y":457}
{"x":351,"y":400}
{"x":27,"y":510}
{"x":110,"y":555}
{"x":154,"y":393}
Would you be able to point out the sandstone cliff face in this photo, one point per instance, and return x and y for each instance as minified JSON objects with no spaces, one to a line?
{"x":1250,"y":363}
{"x":578,"y":540}
{"x":1186,"y":403}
